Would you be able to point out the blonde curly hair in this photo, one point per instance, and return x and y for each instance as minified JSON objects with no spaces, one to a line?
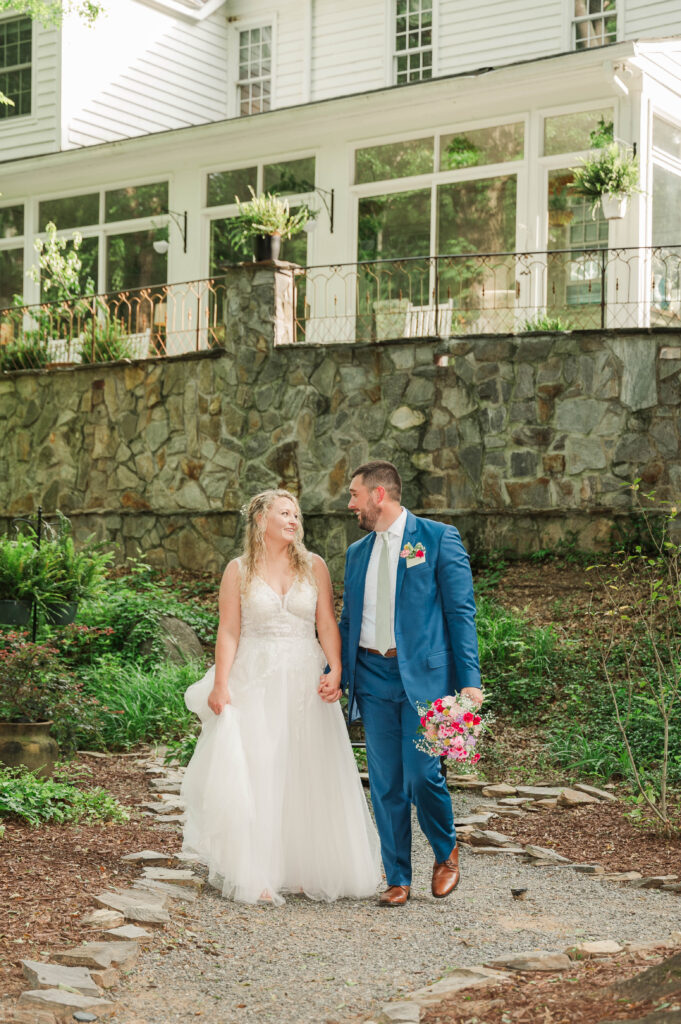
{"x":255,"y":513}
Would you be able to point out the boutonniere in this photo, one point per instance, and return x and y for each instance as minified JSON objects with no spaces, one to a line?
{"x":414,"y":553}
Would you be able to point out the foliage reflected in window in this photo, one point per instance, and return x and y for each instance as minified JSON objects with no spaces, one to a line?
{"x":477,"y":216}
{"x":574,"y":276}
{"x":131,"y":261}
{"x":413,"y":40}
{"x":394,"y":160}
{"x":11,"y":221}
{"x":290,"y":177}
{"x":571,"y":133}
{"x":594,"y":24}
{"x":15,"y":66}
{"x":394,"y":226}
{"x":482,"y":146}
{"x":70,"y":212}
{"x":254,"y":86}
{"x":88,"y":253}
{"x":223,"y":186}
{"x":136,"y":201}
{"x":11,"y":275}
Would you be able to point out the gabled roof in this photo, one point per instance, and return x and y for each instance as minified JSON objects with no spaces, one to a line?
{"x":195,"y":10}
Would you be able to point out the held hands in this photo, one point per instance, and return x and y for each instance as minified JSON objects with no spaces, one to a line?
{"x":218,"y":698}
{"x":473,"y":693}
{"x":329,"y":688}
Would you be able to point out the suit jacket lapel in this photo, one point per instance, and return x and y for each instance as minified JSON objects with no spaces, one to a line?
{"x":410,"y":528}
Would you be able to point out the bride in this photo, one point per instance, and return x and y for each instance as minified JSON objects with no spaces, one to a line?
{"x":274,"y":801}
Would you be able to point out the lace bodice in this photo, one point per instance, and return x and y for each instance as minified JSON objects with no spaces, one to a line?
{"x":268,"y":616}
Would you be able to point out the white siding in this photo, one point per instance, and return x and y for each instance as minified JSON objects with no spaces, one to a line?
{"x":179,"y":79}
{"x":494,"y":32}
{"x":39,"y":133}
{"x":650,"y":18}
{"x":291,"y":54}
{"x":349,"y":47}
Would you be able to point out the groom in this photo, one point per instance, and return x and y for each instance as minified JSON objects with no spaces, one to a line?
{"x":408,"y":631}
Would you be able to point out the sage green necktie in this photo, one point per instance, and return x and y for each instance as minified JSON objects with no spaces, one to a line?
{"x":383,"y":631}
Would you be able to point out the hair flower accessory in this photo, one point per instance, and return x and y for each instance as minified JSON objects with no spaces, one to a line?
{"x":414,"y":553}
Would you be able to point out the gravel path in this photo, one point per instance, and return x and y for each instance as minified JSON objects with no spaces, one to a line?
{"x":310,"y":963}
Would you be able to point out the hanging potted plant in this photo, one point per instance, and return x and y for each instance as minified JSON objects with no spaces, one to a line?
{"x":72,"y":574}
{"x":19,"y":573}
{"x":262,"y":223}
{"x":608,"y":179}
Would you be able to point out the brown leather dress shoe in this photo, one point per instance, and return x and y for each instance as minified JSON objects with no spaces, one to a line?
{"x":394,"y":896}
{"x":446,"y":875}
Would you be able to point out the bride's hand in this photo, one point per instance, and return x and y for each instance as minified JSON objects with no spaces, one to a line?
{"x":329,"y":688}
{"x":217,"y":699}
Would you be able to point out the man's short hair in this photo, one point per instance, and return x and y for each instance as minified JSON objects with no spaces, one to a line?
{"x":380,"y":474}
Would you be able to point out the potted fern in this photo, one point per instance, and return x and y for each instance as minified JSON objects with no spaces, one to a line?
{"x":262,"y":222}
{"x":608,"y":179}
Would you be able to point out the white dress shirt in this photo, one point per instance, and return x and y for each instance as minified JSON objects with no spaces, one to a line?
{"x":394,"y":533}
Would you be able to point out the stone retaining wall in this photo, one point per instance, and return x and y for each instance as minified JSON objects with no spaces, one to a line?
{"x":519,"y":440}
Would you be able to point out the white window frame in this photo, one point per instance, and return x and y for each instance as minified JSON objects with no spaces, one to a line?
{"x":22,"y":118}
{"x":395,"y":53}
{"x":574,"y":20}
{"x":234,"y":101}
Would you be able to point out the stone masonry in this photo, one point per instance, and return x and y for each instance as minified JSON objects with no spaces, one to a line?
{"x":519,"y":440}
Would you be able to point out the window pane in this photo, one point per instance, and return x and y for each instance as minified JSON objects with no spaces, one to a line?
{"x":667,"y":137}
{"x":395,"y":226}
{"x":136,"y":201}
{"x":477,"y":216}
{"x":71,"y":212}
{"x":87,"y":276}
{"x":223,"y":186}
{"x":16,"y":85}
{"x":395,"y":160}
{"x":574,"y":277}
{"x":11,"y":275}
{"x":290,"y":176}
{"x":15,"y":41}
{"x":132,"y":262}
{"x":569,"y":133}
{"x":482,"y":146}
{"x":11,"y":221}
{"x":666,"y":207}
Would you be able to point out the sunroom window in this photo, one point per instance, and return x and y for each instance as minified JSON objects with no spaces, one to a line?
{"x":594,"y":23}
{"x":11,"y":259}
{"x":15,"y":66}
{"x":413,"y":40}
{"x":255,"y":70}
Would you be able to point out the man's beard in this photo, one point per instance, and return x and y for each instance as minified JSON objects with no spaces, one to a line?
{"x":369,"y":517}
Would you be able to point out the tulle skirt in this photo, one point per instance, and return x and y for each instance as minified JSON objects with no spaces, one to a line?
{"x":273,"y":798}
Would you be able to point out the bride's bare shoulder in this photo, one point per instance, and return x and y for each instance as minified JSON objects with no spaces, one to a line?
{"x":232,"y":574}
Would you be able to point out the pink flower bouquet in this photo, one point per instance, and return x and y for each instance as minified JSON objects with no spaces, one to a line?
{"x":451,"y":727}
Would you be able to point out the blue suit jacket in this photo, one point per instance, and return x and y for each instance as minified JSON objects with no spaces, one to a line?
{"x":437,"y":644}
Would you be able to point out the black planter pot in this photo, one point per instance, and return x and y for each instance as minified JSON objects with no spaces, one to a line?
{"x":15,"y":613}
{"x":267,"y":247}
{"x":61,"y":614}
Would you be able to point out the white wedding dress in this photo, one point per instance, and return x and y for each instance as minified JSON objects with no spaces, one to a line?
{"x":274,"y":802}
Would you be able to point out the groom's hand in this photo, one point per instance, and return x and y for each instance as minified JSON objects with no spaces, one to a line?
{"x":329,"y":686}
{"x":474,"y":693}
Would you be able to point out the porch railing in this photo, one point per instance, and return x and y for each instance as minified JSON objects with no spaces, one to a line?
{"x":489,"y":293}
{"x":131,"y":324}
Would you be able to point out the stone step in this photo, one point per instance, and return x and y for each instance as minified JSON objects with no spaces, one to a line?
{"x":539,"y":792}
{"x":99,"y":955}
{"x":542,"y":960}
{"x":64,"y":1004}
{"x":508,"y":850}
{"x":150,"y":857}
{"x":499,"y":789}
{"x":178,"y":876}
{"x":45,"y":975}
{"x":145,"y":909}
{"x":166,"y":889}
{"x":487,"y":837}
{"x":126,"y":933}
{"x":544,"y":853}
{"x":102,"y":918}
{"x":601,"y":794}
{"x":575,"y":798}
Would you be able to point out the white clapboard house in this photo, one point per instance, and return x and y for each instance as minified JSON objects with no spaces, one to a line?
{"x":416,"y":128}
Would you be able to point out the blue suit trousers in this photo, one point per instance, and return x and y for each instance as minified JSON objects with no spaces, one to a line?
{"x":399,"y":774}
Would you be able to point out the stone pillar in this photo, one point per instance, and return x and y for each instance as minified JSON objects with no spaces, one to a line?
{"x":260,"y":303}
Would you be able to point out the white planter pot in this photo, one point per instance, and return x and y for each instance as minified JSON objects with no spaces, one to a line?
{"x":614,"y":206}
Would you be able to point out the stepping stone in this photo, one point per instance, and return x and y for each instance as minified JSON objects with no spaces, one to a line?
{"x":472,"y":819}
{"x":600,"y":794}
{"x":163,"y":789}
{"x":173,"y":892}
{"x":509,"y":812}
{"x":64,"y":1004}
{"x":653,"y":881}
{"x":515,"y":801}
{"x":574,"y":798}
{"x":178,"y":876}
{"x":106,"y":978}
{"x":470,"y":784}
{"x":499,"y":789}
{"x":99,"y":955}
{"x":103,"y":919}
{"x":549,"y":803}
{"x":42,"y":975}
{"x":541,"y":961}
{"x":162,"y":807}
{"x":145,"y":909}
{"x":672,"y":887}
{"x":28,"y":1015}
{"x":586,"y":950}
{"x":487,"y":837}
{"x":543,"y":853}
{"x":400,"y":1013}
{"x":126,"y":933}
{"x":152,"y":857}
{"x":539,"y":792}
{"x":621,"y":876}
{"x":589,"y":869}
{"x":497,"y":849}
{"x":459,"y":979}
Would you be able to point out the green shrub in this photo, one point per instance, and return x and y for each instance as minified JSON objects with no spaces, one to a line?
{"x":133,"y":620}
{"x":25,"y":797}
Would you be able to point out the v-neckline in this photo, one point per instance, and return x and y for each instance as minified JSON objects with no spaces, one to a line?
{"x":281,"y":597}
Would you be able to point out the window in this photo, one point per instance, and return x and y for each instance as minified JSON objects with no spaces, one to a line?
{"x":11,"y":221}
{"x":225,"y":186}
{"x":594,"y":23}
{"x":413,"y":40}
{"x":71,"y":212}
{"x":11,"y":259}
{"x":394,"y":160}
{"x":254,"y":86}
{"x":136,"y":201}
{"x":15,"y":66}
{"x":482,"y":146}
{"x":572,"y":133}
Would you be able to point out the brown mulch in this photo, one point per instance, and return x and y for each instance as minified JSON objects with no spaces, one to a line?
{"x":48,"y":875}
{"x":581,"y":995}
{"x":597,"y":834}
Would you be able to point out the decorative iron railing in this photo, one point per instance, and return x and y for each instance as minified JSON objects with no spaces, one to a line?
{"x":133,"y":324}
{"x":489,"y":293}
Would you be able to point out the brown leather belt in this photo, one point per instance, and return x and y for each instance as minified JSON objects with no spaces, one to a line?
{"x":392,"y":653}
